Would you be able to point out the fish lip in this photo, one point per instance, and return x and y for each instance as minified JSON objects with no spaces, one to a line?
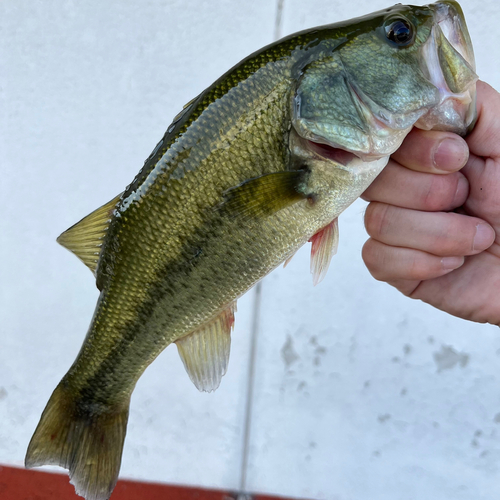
{"x":454,"y":111}
{"x":449,"y":17}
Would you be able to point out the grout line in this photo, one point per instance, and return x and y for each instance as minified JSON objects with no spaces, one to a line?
{"x":254,"y":333}
{"x":250,"y":386}
{"x":278,"y":22}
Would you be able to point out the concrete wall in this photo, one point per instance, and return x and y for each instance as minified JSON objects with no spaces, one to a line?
{"x":356,"y":392}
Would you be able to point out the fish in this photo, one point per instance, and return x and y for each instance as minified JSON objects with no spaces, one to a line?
{"x":261,"y":162}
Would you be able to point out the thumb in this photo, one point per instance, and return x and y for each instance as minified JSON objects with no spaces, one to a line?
{"x":485,"y":138}
{"x":483,"y":167}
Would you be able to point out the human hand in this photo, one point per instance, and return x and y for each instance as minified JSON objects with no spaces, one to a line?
{"x":417,"y":243}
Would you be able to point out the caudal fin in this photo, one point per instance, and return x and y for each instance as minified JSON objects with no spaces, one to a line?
{"x":87,"y":442}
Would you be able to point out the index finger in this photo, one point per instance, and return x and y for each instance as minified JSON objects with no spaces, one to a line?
{"x":432,"y":151}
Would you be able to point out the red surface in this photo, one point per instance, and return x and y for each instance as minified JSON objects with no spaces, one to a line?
{"x":22,"y":484}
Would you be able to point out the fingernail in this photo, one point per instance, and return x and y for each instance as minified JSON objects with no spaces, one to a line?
{"x":451,"y":154}
{"x":450,"y":263}
{"x":484,"y":237}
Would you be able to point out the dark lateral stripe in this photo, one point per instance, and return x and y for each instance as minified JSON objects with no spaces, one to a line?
{"x":22,"y":484}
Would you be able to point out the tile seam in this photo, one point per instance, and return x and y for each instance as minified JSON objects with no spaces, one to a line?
{"x":249,"y":399}
{"x":254,"y":334}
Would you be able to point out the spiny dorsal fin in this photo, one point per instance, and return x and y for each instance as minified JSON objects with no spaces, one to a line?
{"x":205,"y":352}
{"x":265,"y":195}
{"x":85,"y":238}
{"x":178,"y":116}
{"x":324,"y":247}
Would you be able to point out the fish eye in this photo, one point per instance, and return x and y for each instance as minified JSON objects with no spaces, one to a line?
{"x":400,"y":32}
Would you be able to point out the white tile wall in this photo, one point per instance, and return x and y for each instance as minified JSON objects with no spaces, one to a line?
{"x":358,"y":392}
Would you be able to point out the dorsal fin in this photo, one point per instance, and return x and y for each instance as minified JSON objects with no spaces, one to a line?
{"x":205,"y":352}
{"x":85,"y":238}
{"x":178,"y":116}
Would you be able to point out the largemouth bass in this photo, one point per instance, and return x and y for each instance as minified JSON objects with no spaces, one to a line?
{"x":259,"y":163}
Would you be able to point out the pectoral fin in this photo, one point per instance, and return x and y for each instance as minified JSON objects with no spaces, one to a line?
{"x":85,"y":238}
{"x":205,"y":352}
{"x":266,"y":194}
{"x":324,"y":247}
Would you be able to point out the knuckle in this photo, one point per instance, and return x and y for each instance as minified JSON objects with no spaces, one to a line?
{"x":415,"y":270}
{"x":440,"y":192}
{"x":376,"y":216}
{"x":459,"y":243}
{"x":446,"y":245}
{"x":371,"y":255}
{"x":456,"y":237}
{"x":405,"y":286}
{"x":367,"y":253}
{"x":421,"y":267}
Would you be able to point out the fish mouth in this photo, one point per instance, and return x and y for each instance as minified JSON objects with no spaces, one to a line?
{"x":349,"y":161}
{"x":329,"y":152}
{"x":448,"y":63}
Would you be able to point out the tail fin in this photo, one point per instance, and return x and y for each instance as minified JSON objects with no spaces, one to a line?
{"x":88,"y":443}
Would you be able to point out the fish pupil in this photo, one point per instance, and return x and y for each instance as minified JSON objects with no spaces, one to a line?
{"x":400,"y":32}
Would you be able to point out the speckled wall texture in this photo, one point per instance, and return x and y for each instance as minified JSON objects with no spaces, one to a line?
{"x":357,"y":392}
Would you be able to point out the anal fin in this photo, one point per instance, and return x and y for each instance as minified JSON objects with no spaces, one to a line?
{"x":205,"y":352}
{"x":287,"y":261}
{"x":324,"y":247}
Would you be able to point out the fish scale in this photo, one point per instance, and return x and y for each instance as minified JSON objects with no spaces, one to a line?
{"x":173,"y":317}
